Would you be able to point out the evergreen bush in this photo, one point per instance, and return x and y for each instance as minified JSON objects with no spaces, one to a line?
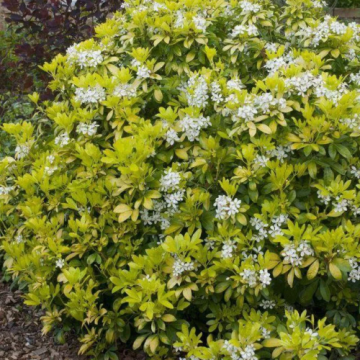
{"x":193,"y":189}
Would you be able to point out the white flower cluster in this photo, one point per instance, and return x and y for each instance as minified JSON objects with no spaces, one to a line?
{"x":246,"y":112}
{"x":252,"y":278}
{"x":124,"y":90}
{"x":280,"y":152}
{"x":193,"y":125}
{"x":263,"y":229}
{"x":294,"y":255}
{"x":62,"y":140}
{"x":248,"y":7}
{"x":155,"y":217}
{"x":228,"y":249}
{"x":5,"y":190}
{"x":171,"y":137}
{"x":216,"y":93}
{"x":355,"y":78}
{"x":170,"y":180}
{"x":327,"y":28}
{"x":302,"y":83}
{"x":319,"y":4}
{"x":276,"y":64}
{"x":235,"y":84}
{"x":90,"y":95}
{"x":142,"y":71}
{"x":172,"y":200}
{"x":50,"y":170}
{"x":354,"y":274}
{"x":200,"y":23}
{"x":272,"y":47}
{"x":22,"y":150}
{"x":239,"y":354}
{"x":87,"y":129}
{"x":179,"y":19}
{"x":19,"y":239}
{"x":226,"y":207}
{"x":180,"y":267}
{"x":265,"y":101}
{"x":196,"y":91}
{"x":260,"y":161}
{"x":250,"y":30}
{"x":355,"y":172}
{"x":339,"y":204}
{"x":84,"y":58}
{"x":267,"y":304}
{"x":50,"y":159}
{"x":352,"y":123}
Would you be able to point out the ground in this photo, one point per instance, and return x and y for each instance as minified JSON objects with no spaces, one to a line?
{"x":21,"y":338}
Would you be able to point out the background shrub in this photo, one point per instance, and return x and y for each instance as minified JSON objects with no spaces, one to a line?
{"x":46,"y":28}
{"x":193,"y":187}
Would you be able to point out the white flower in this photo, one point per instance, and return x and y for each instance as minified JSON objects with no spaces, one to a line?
{"x":124,"y":90}
{"x":5,"y":190}
{"x":143,"y":72}
{"x":304,"y":249}
{"x":252,"y":30}
{"x":19,"y":239}
{"x":170,"y":180}
{"x":311,"y":332}
{"x":181,"y":266}
{"x":249,"y":276}
{"x":193,"y":125}
{"x":216,"y":94}
{"x":280,"y":152}
{"x":60,"y":263}
{"x":247,"y":112}
{"x":84,"y":58}
{"x":261,"y":161}
{"x":90,"y":95}
{"x":172,"y":200}
{"x":248,"y":6}
{"x":87,"y":129}
{"x":226,"y":207}
{"x":267,"y":304}
{"x":325,"y":199}
{"x":209,"y":244}
{"x":62,"y":140}
{"x":248,"y":353}
{"x":355,"y":78}
{"x":338,"y":28}
{"x":50,"y":170}
{"x":200,"y":23}
{"x":179,"y":20}
{"x":291,"y":256}
{"x":235,"y":84}
{"x":319,"y":4}
{"x":50,"y":159}
{"x":196,"y":91}
{"x":22,"y":150}
{"x":264,"y":277}
{"x":164,"y":223}
{"x":341,"y":205}
{"x":271,"y":47}
{"x":355,"y":172}
{"x":171,"y":137}
{"x":265,"y":333}
{"x":228,"y":249}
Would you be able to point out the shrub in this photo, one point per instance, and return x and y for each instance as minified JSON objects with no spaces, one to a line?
{"x":49,"y":27}
{"x":193,"y":189}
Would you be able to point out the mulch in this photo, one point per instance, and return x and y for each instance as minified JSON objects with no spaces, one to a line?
{"x":21,"y":337}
